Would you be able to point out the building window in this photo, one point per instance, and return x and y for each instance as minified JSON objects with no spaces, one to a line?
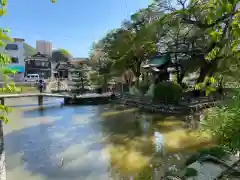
{"x":41,"y":74}
{"x":15,"y":60}
{"x":37,"y":63}
{"x":41,"y":64}
{"x":11,"y":47}
{"x":46,"y":64}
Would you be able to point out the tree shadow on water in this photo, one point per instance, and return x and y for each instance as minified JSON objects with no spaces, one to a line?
{"x":43,"y":145}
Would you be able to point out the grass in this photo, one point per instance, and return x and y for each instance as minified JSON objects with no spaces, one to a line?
{"x":19,"y":89}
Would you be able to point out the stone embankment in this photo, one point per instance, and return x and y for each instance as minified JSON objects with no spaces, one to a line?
{"x":185,"y":106}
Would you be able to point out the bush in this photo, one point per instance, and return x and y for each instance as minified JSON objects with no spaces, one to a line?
{"x":217,"y":152}
{"x":168,"y":92}
{"x":191,"y":172}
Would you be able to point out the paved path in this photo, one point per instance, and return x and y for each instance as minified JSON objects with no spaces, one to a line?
{"x":53,"y":85}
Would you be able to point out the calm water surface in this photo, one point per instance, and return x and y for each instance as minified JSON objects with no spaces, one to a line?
{"x":86,"y":142}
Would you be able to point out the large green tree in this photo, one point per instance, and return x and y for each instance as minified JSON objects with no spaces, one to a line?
{"x":129,"y":46}
{"x":61,"y":55}
{"x":213,"y":34}
{"x":211,"y":47}
{"x":102,"y":65}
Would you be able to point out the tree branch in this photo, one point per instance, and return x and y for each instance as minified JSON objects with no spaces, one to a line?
{"x":204,"y":25}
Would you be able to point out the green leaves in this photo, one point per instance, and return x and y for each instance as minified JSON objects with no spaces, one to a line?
{"x":4,"y":59}
{"x":224,"y":124}
{"x":3,"y":2}
{"x":5,"y":110}
{"x":61,"y":55}
{"x":2,"y":11}
{"x":212,"y":54}
{"x":64,"y":52}
{"x":216,"y":35}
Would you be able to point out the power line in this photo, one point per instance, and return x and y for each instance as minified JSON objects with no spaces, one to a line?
{"x":125,"y":3}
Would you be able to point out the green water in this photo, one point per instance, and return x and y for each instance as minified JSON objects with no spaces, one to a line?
{"x":85,"y":142}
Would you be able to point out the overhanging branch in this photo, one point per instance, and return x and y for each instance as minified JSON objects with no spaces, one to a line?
{"x":204,"y":25}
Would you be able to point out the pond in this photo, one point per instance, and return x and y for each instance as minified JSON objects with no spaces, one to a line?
{"x":93,"y":142}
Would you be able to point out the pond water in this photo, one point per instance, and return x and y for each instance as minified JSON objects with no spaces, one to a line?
{"x":91,"y":142}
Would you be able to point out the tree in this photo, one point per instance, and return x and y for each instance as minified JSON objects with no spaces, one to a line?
{"x":129,"y":46}
{"x":216,"y":36}
{"x":224,"y":124}
{"x":95,"y":79}
{"x":79,"y":79}
{"x":4,"y":61}
{"x":61,"y":55}
{"x":101,"y":63}
{"x":214,"y":33}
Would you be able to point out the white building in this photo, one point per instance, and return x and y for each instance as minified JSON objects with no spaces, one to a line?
{"x":15,"y":51}
{"x":44,"y":47}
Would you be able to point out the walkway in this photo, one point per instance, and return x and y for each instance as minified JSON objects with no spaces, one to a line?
{"x":89,"y":95}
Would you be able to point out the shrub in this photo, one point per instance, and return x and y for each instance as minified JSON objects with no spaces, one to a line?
{"x":217,"y":152}
{"x":191,"y":172}
{"x":168,"y":92}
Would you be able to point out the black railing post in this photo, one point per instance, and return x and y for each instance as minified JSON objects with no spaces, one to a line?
{"x":2,"y":101}
{"x":40,"y":100}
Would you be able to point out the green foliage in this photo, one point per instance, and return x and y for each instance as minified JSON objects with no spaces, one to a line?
{"x":64,"y":52}
{"x":61,"y":55}
{"x":208,"y":85}
{"x":95,"y":79}
{"x":217,"y":152}
{"x":126,"y":48}
{"x":130,"y":48}
{"x":190,"y":172}
{"x":207,"y":42}
{"x":168,"y":92}
{"x":4,"y":60}
{"x":224,"y":124}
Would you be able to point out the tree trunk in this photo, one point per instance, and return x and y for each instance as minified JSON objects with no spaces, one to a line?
{"x":82,"y":86}
{"x":180,"y":77}
{"x":202,"y":75}
{"x":207,"y":69}
{"x":2,"y":154}
{"x":105,"y":83}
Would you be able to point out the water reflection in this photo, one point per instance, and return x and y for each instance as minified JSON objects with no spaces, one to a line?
{"x":81,"y":143}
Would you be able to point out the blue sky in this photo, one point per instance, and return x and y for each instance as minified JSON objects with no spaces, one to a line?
{"x":69,"y":24}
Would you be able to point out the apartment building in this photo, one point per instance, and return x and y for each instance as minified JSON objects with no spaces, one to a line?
{"x":15,"y":50}
{"x":44,"y":47}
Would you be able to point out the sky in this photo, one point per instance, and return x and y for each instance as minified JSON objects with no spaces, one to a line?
{"x":70,"y":24}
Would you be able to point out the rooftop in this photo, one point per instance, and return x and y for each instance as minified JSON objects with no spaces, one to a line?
{"x":18,"y":39}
